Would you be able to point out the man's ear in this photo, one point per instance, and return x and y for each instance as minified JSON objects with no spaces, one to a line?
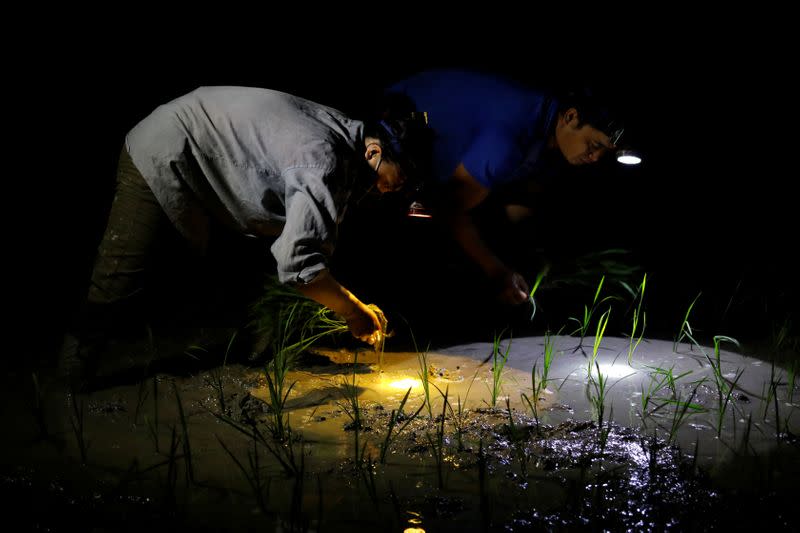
{"x":373,"y":150}
{"x":571,"y":115}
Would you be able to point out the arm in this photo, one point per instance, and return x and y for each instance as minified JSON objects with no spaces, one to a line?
{"x":362,"y":321}
{"x":304,"y":247}
{"x":463,"y":193}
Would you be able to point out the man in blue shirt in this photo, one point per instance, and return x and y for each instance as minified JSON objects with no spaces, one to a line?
{"x":488,"y":132}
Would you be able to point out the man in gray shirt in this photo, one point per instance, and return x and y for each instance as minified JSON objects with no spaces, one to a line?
{"x":262,"y":162}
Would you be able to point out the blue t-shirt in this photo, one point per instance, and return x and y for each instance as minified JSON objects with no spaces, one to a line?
{"x":495,"y":127}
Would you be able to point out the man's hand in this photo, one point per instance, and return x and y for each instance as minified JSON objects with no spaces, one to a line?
{"x":365,"y":324}
{"x":513,"y":289}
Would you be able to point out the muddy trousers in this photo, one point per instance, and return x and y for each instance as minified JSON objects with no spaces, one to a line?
{"x":125,"y":254}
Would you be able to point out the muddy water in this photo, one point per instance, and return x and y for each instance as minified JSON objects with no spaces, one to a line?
{"x":169,"y":450}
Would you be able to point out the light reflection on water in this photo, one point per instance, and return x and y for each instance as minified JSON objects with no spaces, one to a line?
{"x":555,"y":475}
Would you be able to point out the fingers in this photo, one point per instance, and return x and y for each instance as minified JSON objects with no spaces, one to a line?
{"x":517,"y":296}
{"x":375,"y":338}
{"x":368,"y":324}
{"x":519,"y":283}
{"x":380,"y":322}
{"x":515,"y":290}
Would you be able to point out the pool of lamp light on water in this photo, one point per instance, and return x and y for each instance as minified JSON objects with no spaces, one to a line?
{"x":465,"y":372}
{"x":120,"y":422}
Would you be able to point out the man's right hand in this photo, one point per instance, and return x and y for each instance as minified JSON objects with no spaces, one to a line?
{"x":513,"y":288}
{"x":362,"y":320}
{"x":364,"y":323}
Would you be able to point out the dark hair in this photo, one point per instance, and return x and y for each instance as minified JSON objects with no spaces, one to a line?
{"x":404,"y":135}
{"x":594,"y":109}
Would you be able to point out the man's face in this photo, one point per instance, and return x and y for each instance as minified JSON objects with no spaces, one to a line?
{"x":583,"y":144}
{"x":390,"y":177}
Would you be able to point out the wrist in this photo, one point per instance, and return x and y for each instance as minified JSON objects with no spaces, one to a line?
{"x":497,"y":271}
{"x":350,"y":306}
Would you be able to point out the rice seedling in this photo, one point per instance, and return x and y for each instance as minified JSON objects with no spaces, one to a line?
{"x":217,"y":374}
{"x":695,"y":455}
{"x":310,"y":321}
{"x":539,"y":277}
{"x":539,"y":382}
{"x":588,"y":312}
{"x":767,"y":391}
{"x":437,"y":443}
{"x":395,"y":417}
{"x":320,"y":506}
{"x":459,"y":421}
{"x":459,"y":415}
{"x":252,"y":474}
{"x":153,"y":425}
{"x":353,"y":410}
{"x":685,"y":329}
{"x":424,"y":378}
{"x":423,"y":373}
{"x":655,"y":384}
{"x":518,"y":439}
{"x":498,"y":363}
{"x":548,"y":357}
{"x":671,"y":379}
{"x":787,"y":432}
{"x":298,"y":521}
{"x":368,"y":475}
{"x":141,"y":397}
{"x":596,"y":391}
{"x":745,"y":447}
{"x":171,"y":481}
{"x":279,"y":420}
{"x":791,"y":379}
{"x":536,"y":389}
{"x":286,"y":349}
{"x":38,"y":408}
{"x":485,"y":497}
{"x":773,"y":395}
{"x":682,"y":411}
{"x":604,"y":431}
{"x":598,"y":338}
{"x":281,"y":449}
{"x":598,"y":398}
{"x":276,"y":372}
{"x":724,"y":388}
{"x":187,"y":449}
{"x":615,"y":264}
{"x":661,"y":378}
{"x":77,"y":421}
{"x":637,"y":316}
{"x":779,"y":337}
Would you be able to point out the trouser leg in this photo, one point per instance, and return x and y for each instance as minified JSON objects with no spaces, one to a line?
{"x":126,"y":250}
{"x":120,"y":268}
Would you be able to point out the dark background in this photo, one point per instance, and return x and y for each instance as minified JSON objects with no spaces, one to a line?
{"x":709,"y":103}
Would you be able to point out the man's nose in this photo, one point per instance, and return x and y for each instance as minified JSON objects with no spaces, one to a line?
{"x":595,"y":155}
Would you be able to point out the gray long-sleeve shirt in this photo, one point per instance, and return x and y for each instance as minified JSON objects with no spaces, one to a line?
{"x":264,"y":162}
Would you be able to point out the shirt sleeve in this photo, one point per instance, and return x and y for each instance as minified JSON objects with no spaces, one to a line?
{"x":306,"y":243}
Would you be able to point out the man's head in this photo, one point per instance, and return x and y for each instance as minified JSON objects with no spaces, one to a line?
{"x":586,"y":129}
{"x":399,"y":151}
